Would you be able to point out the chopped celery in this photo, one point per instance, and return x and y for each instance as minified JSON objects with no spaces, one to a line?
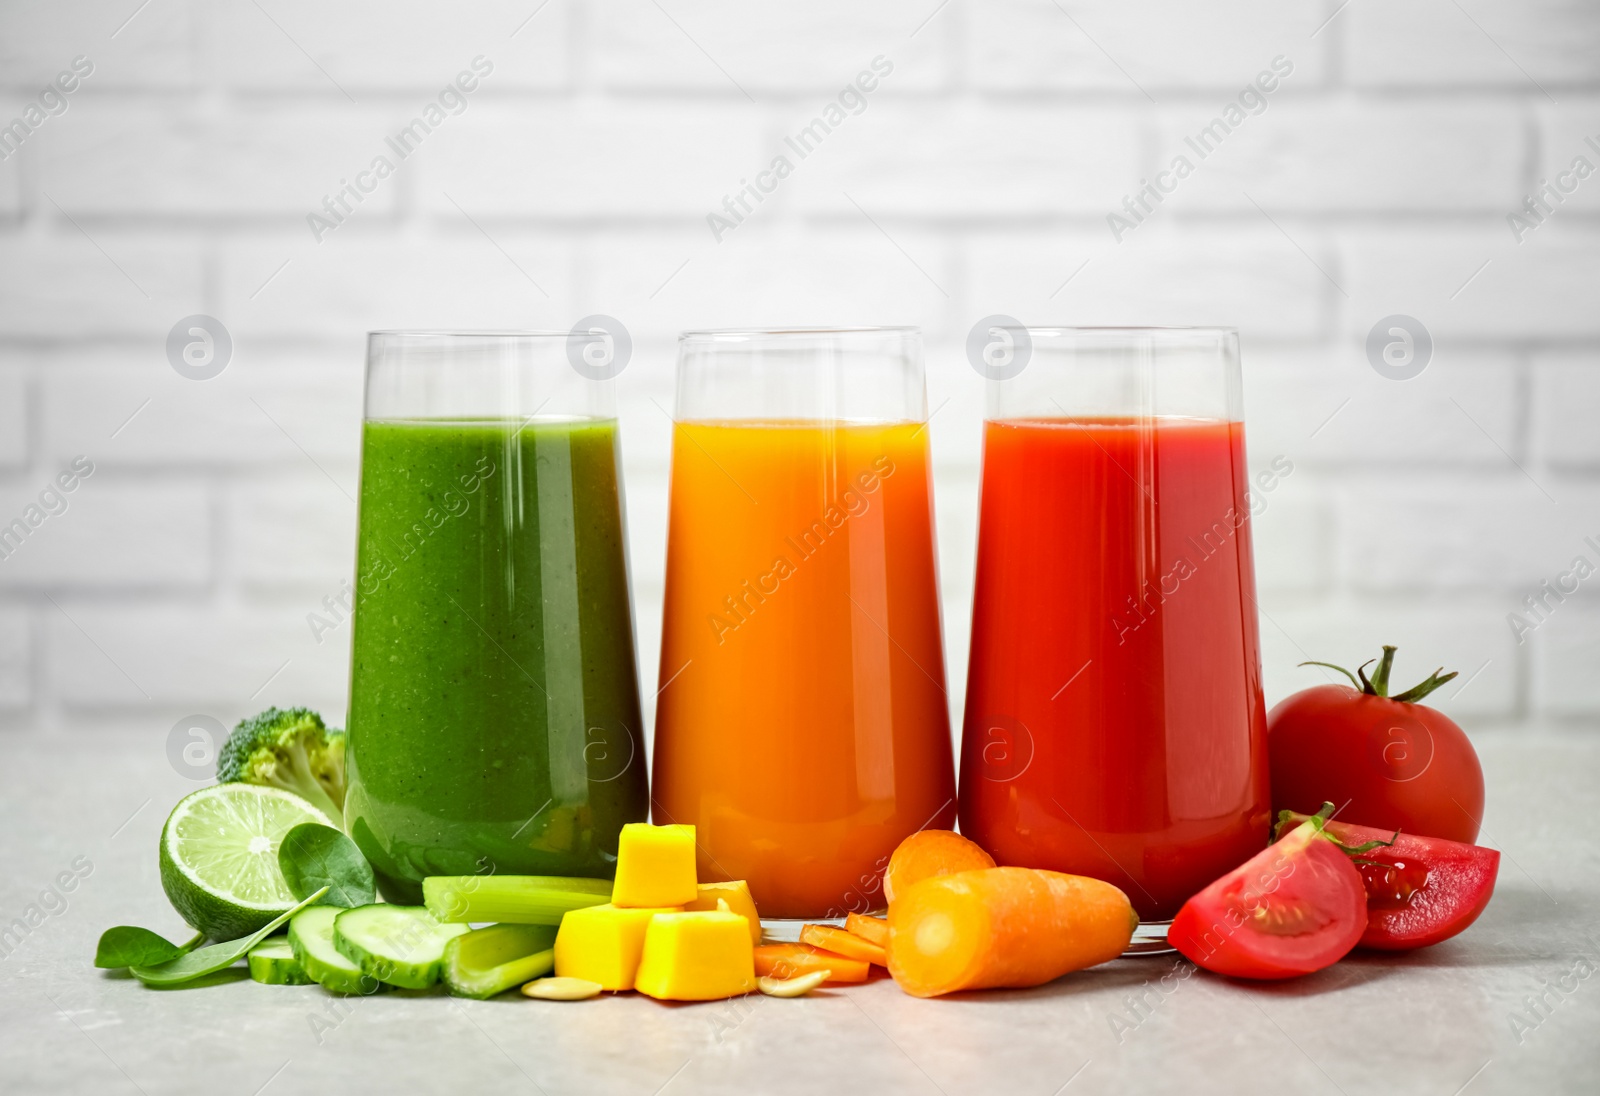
{"x":515,"y":899}
{"x":489,"y":961}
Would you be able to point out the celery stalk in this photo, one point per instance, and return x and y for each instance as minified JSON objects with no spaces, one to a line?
{"x":516,"y":899}
{"x":489,"y":961}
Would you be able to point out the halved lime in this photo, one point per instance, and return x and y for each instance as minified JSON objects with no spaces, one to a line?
{"x":219,"y":856}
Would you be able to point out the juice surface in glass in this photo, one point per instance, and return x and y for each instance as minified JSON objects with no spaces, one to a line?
{"x":1115,"y":725}
{"x":803,"y":725}
{"x":494,"y":709}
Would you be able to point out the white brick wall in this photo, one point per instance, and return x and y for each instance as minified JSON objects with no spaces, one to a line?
{"x":767,"y":48}
{"x":1436,"y":43}
{"x":16,"y":662}
{"x":116,"y":535}
{"x":1376,"y":181}
{"x":188,"y":160}
{"x":1304,"y":154}
{"x":1026,"y":45}
{"x":15,"y":408}
{"x":1566,"y":407}
{"x":411,"y":47}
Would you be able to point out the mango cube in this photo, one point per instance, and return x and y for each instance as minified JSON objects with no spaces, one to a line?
{"x":737,"y":895}
{"x":655,"y":867}
{"x":603,"y":944}
{"x":700,"y":956}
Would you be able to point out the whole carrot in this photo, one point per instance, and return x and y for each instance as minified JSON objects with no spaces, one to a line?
{"x":1003,"y":927}
{"x":927,"y":853}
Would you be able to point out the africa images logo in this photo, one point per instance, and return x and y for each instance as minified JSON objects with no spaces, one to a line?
{"x":52,"y":100}
{"x":851,"y":100}
{"x":451,"y":100}
{"x":1252,"y":100}
{"x":51,"y":501}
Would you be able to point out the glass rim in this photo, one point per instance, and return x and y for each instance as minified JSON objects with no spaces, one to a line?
{"x":729,"y":333}
{"x":488,"y":419}
{"x":1147,"y":329}
{"x":431,"y":333}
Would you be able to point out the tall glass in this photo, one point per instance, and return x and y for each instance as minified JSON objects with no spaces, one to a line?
{"x":494,"y":707}
{"x":1114,"y":721}
{"x":802,"y":723}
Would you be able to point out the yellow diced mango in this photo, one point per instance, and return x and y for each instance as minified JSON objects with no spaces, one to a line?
{"x":603,"y":944}
{"x":655,"y":866}
{"x":737,"y":895}
{"x":700,"y":956}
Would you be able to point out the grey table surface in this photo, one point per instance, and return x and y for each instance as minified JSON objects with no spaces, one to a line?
{"x":1463,"y":1016}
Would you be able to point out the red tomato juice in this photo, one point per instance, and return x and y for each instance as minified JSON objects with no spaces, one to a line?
{"x":1114,"y":723}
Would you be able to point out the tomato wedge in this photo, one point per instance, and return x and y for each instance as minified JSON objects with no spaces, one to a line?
{"x":1420,"y":890}
{"x":1291,"y":909}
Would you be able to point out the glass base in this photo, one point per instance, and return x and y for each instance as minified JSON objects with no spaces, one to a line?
{"x":786,"y":930}
{"x":1150,"y":938}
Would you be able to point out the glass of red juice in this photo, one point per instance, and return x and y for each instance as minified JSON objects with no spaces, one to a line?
{"x":1114,"y":721}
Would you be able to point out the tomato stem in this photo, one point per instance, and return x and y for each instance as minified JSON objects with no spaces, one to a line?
{"x":1424,"y":687}
{"x":1341,"y":669}
{"x":1289,"y":819}
{"x":1380,"y":676}
{"x":1365,"y":846}
{"x":1378,"y":684}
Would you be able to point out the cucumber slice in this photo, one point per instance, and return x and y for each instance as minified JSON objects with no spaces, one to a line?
{"x":311,"y":937}
{"x":272,"y":963}
{"x":500,"y":957}
{"x":400,"y":945}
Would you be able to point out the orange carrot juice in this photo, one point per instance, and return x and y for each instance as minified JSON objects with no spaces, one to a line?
{"x":802,"y":724}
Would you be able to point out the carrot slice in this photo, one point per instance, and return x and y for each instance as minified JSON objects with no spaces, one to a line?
{"x":874,"y":930}
{"x":845,"y":943}
{"x":791,"y":960}
{"x":1003,"y":927}
{"x":928,"y":853}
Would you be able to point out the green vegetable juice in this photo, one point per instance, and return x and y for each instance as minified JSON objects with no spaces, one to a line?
{"x":494,"y":705}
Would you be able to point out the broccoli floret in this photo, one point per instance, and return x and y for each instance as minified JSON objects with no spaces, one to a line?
{"x":328,"y":767}
{"x":292,"y":750}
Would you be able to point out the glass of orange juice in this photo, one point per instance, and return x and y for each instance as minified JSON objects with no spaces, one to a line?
{"x":802,"y":723}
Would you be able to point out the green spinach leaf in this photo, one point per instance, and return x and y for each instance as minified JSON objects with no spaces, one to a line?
{"x":313,"y":855}
{"x":209,"y":960}
{"x":131,"y":946}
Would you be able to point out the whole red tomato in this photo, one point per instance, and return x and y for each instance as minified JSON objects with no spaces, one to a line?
{"x":1399,"y":764}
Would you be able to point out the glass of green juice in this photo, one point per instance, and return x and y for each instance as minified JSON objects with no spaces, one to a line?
{"x":494,"y":723}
